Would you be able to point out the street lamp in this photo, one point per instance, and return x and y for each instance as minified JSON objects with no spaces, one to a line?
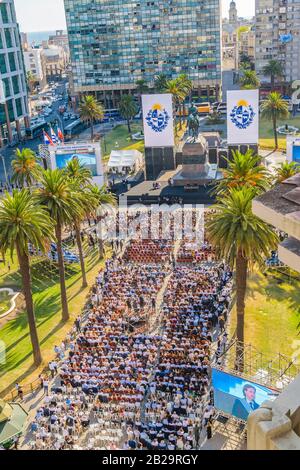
{"x":5,"y":172}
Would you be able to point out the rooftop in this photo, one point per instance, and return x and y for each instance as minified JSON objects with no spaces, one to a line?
{"x":284,"y":198}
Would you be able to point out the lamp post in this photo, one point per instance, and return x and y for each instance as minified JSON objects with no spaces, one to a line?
{"x":5,"y":172}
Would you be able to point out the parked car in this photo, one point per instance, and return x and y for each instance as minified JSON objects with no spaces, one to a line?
{"x":204,"y":108}
{"x":222,"y":108}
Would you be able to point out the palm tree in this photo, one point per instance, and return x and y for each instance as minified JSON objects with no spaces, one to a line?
{"x":249,"y":80}
{"x":102,"y":198}
{"x":241,"y":239}
{"x":186,"y":85}
{"x":25,"y":167}
{"x":160,"y":82}
{"x":128,"y":109}
{"x":24,"y":221}
{"x":286,"y":171}
{"x":141,"y":88}
{"x":79,"y":177}
{"x":274,"y":108}
{"x":78,"y":172}
{"x":90,"y":111}
{"x":244,"y":170}
{"x":175,"y":88}
{"x":31,"y":80}
{"x":273,"y":69}
{"x":57,"y":196}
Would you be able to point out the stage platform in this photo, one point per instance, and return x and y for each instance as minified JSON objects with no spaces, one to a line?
{"x":145,"y":194}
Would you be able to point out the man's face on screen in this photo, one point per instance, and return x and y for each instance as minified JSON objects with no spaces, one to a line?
{"x":250,"y":394}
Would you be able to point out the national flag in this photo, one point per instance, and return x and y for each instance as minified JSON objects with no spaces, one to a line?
{"x":47,"y":139}
{"x":60,"y":134}
{"x":54,"y":137}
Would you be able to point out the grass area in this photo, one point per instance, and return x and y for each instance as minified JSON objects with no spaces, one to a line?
{"x":119,"y":139}
{"x":51,"y":330}
{"x":272,"y":314}
{"x":5,"y":302}
{"x":267,"y":136}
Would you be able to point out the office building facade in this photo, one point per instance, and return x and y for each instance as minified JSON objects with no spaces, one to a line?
{"x":14,"y":102}
{"x":115,"y":43}
{"x":278,"y":36}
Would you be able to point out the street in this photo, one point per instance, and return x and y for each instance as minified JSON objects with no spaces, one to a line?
{"x":8,"y":152}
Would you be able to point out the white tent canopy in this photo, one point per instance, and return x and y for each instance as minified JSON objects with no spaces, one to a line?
{"x":120,"y":159}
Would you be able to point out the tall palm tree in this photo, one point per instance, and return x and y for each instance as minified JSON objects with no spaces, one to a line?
{"x":286,"y":171}
{"x":273,"y":69}
{"x":186,"y":85}
{"x":79,"y":177}
{"x":25,"y":167}
{"x":90,"y":111}
{"x":76,"y":171}
{"x":249,"y":80}
{"x":244,"y":170}
{"x":57,"y":196}
{"x":274,"y":108}
{"x":24,"y":221}
{"x":160,"y":82}
{"x":241,"y":239}
{"x":175,"y":88}
{"x":128,"y":109}
{"x":141,"y":88}
{"x":102,"y":197}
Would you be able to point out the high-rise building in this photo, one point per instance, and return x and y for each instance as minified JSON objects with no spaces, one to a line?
{"x":278,"y":36}
{"x":114,"y":43}
{"x":14,"y":103}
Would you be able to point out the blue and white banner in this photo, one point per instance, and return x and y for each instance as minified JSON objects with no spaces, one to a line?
{"x":158,"y":120}
{"x":242,"y":117}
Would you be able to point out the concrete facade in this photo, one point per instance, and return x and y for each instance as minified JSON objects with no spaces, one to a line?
{"x":280,"y":207}
{"x":276,"y":424}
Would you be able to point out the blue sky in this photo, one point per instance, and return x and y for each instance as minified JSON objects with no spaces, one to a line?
{"x":48,"y":15}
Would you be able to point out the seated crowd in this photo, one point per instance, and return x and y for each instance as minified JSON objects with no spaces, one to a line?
{"x":129,"y":387}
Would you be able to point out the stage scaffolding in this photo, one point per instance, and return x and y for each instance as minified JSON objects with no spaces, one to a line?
{"x":274,"y":372}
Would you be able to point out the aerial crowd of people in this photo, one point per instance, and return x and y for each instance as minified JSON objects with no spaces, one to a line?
{"x":136,"y":370}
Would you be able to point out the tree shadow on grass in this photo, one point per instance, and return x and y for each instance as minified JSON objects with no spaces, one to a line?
{"x":44,"y":312}
{"x":20,"y":378}
{"x":276,"y":286}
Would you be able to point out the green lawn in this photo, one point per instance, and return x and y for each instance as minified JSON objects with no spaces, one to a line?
{"x":267,"y":136}
{"x":5,"y":302}
{"x":51,"y":330}
{"x":119,"y":138}
{"x":272,"y":314}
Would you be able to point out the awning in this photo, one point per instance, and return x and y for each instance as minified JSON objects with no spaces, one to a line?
{"x":125,"y":158}
{"x":13,"y":426}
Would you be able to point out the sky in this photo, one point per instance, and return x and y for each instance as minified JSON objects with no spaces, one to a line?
{"x":48,"y":15}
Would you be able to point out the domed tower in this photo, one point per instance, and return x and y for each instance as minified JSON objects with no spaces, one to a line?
{"x":233,"y":14}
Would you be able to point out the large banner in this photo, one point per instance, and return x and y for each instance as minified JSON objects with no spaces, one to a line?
{"x":158,"y":120}
{"x":237,"y":396}
{"x":243,"y":117}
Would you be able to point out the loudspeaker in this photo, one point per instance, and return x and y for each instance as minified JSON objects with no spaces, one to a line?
{"x":222,"y":162}
{"x":213,"y":156}
{"x":158,"y":159}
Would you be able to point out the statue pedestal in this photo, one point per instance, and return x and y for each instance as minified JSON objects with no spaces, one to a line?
{"x":196,"y":170}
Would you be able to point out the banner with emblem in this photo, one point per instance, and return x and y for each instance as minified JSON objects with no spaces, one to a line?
{"x":158,"y":120}
{"x":242,"y":117}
